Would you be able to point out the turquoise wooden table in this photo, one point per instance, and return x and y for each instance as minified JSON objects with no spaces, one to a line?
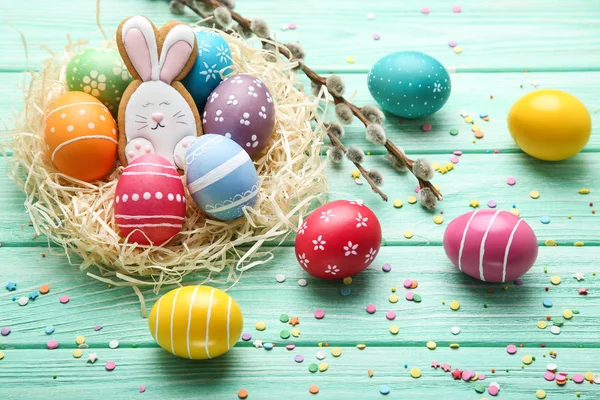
{"x":509,"y":48}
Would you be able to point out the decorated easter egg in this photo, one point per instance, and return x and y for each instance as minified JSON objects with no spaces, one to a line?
{"x":242,"y":109}
{"x":338,"y":239}
{"x":409,"y":84}
{"x":221,"y":177}
{"x":491,"y":245}
{"x":101,"y":73}
{"x":550,"y":124}
{"x":196,"y":322}
{"x":214,"y":57}
{"x":81,"y":136}
{"x":149,"y":201}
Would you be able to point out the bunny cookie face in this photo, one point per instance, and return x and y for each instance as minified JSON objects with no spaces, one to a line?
{"x":157,"y":115}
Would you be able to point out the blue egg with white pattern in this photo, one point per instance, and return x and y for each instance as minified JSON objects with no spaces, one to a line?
{"x":214,"y":57}
{"x":221,"y":177}
{"x":409,"y":84}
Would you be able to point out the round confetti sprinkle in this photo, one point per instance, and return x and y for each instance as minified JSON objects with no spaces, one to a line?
{"x":376,"y":36}
{"x":280,"y":278}
{"x":302,"y":282}
{"x":246,"y":336}
{"x":77,"y":353}
{"x":515,"y":212}
{"x":511,"y":349}
{"x":455,"y":330}
{"x":454,"y":159}
{"x":589,"y":376}
{"x":298,"y":358}
{"x":386,"y":267}
{"x":319,"y":314}
{"x":417,"y":298}
{"x":555,"y":280}
{"x":568,"y":314}
{"x":398,"y":203}
{"x":492,"y":204}
{"x":313,"y":389}
{"x":350,"y":60}
{"x":551,"y":367}
{"x":550,"y":242}
{"x":345,"y":291}
{"x":5,"y":331}
{"x":52,"y":344}
{"x":431,"y":345}
{"x":456,"y":9}
{"x":438,"y":219}
{"x":478,"y":134}
{"x":284,"y":334}
{"x":545,"y":220}
{"x":323,"y":367}
{"x":284,"y":318}
{"x":347,"y":280}
{"x":290,"y":346}
{"x":415,"y":373}
{"x":336,"y":352}
{"x":49,"y":330}
{"x":44,"y":289}
{"x":390,"y":315}
{"x":555,"y":330}
{"x":408,"y":234}
{"x":511,"y":181}
{"x":313,"y":368}
{"x":414,"y":284}
{"x":425,"y":10}
{"x":268,"y":346}
{"x":407,"y":283}
{"x":394,"y":329}
{"x":578,"y":378}
{"x":534,"y":194}
{"x":242,"y":393}
{"x":292,"y":26}
{"x":1,"y":355}
{"x":384,"y":390}
{"x":493,"y":390}
{"x":412,"y":199}
{"x":409,"y":296}
{"x":371,"y":308}
{"x":260,"y":326}
{"x":295,"y":332}
{"x":80,"y":339}
{"x":547,"y":302}
{"x":527,"y":360}
{"x":455,"y":305}
{"x":113,"y":344}
{"x":64,"y":299}
{"x":426,"y":127}
{"x":454,"y":131}
{"x":467,"y":375}
{"x":549,"y":376}
{"x":110,"y":365}
{"x":453,"y":43}
{"x":320,"y":355}
{"x":23,"y":301}
{"x":393,"y":298}
{"x":540,"y":394}
{"x":98,"y":328}
{"x":542,"y":324}
{"x":458,"y":49}
{"x":479,"y":388}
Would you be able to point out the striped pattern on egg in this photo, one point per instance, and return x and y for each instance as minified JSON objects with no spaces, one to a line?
{"x":491,"y":245}
{"x":149,"y":201}
{"x":196,"y":322}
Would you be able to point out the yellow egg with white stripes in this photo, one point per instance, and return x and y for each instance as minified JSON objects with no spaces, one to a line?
{"x":196,"y":322}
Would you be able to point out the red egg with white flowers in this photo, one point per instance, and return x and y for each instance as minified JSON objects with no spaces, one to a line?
{"x":149,"y":201}
{"x":339,"y":239}
{"x":491,"y":245}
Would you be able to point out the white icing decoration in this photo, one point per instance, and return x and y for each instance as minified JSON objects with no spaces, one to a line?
{"x":170,"y":197}
{"x":235,"y":201}
{"x":135,"y":197}
{"x":158,"y":195}
{"x":147,"y":196}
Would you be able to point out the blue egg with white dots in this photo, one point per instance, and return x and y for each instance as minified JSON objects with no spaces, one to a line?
{"x":221,"y":177}
{"x":409,"y":84}
{"x":214,"y":57}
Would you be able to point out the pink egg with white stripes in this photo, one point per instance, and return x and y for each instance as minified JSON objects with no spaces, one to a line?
{"x":491,"y":245}
{"x":149,"y":201}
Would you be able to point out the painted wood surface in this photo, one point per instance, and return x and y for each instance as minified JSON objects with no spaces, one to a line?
{"x":500,"y":40}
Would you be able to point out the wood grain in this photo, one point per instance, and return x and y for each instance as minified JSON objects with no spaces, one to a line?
{"x":513,"y":36}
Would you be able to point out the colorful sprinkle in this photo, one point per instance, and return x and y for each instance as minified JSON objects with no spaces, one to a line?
{"x":438,"y":219}
{"x":455,"y":305}
{"x":260,"y":326}
{"x":511,"y":181}
{"x":246,"y":336}
{"x":52,"y":344}
{"x":547,"y":302}
{"x":371,"y":308}
{"x":545,"y":220}
{"x":376,"y":36}
{"x":64,"y":299}
{"x":242,"y":393}
{"x":23,"y":301}
{"x":511,"y":349}
{"x":415,"y":373}
{"x":394,"y":329}
{"x":5,"y":331}
{"x":412,"y":199}
{"x":398,"y":203}
{"x":299,"y":358}
{"x":390,"y":315}
{"x":77,"y":353}
{"x":431,"y":345}
{"x":313,"y":389}
{"x":534,"y":194}
{"x":425,"y":10}
{"x":110,"y":365}
{"x":280,"y":278}
{"x":384,"y":390}
{"x":386,"y":267}
{"x":319,"y":314}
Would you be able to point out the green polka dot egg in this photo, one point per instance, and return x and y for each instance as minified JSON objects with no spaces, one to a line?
{"x":409,"y":84}
{"x":101,"y":73}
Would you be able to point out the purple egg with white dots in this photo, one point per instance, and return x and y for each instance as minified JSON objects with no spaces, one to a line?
{"x":242,"y":109}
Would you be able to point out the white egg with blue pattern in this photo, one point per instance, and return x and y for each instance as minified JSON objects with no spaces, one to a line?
{"x":221,"y":177}
{"x":409,"y":84}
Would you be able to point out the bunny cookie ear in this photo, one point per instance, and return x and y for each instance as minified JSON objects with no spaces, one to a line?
{"x":178,"y":53}
{"x":136,"y":40}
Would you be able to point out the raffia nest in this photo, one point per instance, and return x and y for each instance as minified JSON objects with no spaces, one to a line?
{"x":78,"y":216}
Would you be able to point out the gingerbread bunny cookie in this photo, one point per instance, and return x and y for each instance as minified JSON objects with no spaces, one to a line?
{"x":157,"y":114}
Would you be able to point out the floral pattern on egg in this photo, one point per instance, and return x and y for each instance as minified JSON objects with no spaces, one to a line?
{"x":242,"y":109}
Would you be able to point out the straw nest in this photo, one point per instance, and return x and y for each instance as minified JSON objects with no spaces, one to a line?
{"x":78,"y":216}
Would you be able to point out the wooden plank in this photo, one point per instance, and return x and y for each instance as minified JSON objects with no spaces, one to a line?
{"x":483,"y":177}
{"x":511,"y":315}
{"x":513,"y":36}
{"x":274,"y":374}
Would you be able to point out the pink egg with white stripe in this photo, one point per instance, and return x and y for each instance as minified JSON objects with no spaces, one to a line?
{"x":149,"y":201}
{"x":491,"y":245}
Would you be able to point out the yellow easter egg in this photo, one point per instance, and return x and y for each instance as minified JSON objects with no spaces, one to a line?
{"x":196,"y":322}
{"x":550,"y":124}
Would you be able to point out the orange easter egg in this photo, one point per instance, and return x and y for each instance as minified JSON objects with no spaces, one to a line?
{"x":81,"y":136}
